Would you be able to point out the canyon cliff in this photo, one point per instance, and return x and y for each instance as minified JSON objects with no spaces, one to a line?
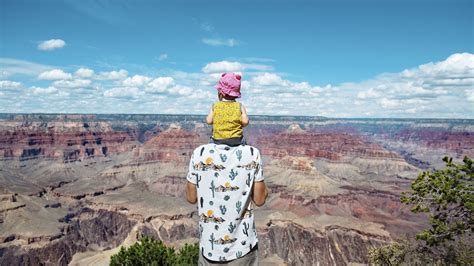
{"x":74,"y":188}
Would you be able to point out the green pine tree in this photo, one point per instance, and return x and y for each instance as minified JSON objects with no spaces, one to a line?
{"x":447,"y":196}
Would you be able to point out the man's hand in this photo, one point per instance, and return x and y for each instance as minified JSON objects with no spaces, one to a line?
{"x":191,"y":193}
{"x":259,"y":193}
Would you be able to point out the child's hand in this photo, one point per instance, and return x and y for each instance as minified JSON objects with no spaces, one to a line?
{"x":210,"y":116}
{"x":245,"y":118}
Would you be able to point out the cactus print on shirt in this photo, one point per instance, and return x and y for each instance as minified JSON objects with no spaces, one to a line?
{"x":224,"y":177}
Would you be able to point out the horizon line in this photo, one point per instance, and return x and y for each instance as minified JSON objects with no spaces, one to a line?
{"x":305,"y":116}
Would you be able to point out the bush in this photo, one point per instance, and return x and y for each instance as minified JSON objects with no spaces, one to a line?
{"x":447,"y":195}
{"x":149,"y":251}
{"x":188,"y":255}
{"x":408,"y":252}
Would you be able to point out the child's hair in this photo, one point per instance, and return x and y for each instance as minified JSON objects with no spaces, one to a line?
{"x":227,"y":97}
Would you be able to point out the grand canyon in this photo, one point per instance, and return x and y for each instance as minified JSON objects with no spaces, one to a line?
{"x":74,"y":188}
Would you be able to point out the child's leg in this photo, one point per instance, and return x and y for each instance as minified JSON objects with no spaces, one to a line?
{"x":233,"y":142}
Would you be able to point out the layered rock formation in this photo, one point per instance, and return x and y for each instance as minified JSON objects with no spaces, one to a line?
{"x":74,"y":188}
{"x":81,"y":231}
{"x":171,"y":145}
{"x":298,"y":245}
{"x":332,"y":146}
{"x":69,"y":141}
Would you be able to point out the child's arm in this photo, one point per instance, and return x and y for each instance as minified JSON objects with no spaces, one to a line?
{"x":210,"y":116}
{"x":245,"y":118}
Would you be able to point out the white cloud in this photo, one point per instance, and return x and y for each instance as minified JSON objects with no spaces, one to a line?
{"x":76,"y":83}
{"x":397,"y":103}
{"x":200,"y":95}
{"x":440,"y":89}
{"x":54,"y":74}
{"x":257,"y":67}
{"x":135,"y":81}
{"x":167,"y":85}
{"x":4,"y":74}
{"x":84,"y":73}
{"x":9,"y":85}
{"x":435,"y":89}
{"x":123,"y":92}
{"x":160,"y":85}
{"x":52,"y":44}
{"x":228,"y":66}
{"x":272,"y":83}
{"x":222,"y":66}
{"x":259,"y":59}
{"x":181,"y":90}
{"x":453,"y":82}
{"x":456,"y":65}
{"x":10,"y":67}
{"x":389,"y":103}
{"x":163,"y":57}
{"x":411,"y":110}
{"x":367,"y":94}
{"x":268,"y":79}
{"x":40,"y":90}
{"x":113,"y":75}
{"x":469,"y":95}
{"x":206,"y":26}
{"x":220,"y":42}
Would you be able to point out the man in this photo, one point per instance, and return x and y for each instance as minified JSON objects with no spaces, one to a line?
{"x":225,"y":182}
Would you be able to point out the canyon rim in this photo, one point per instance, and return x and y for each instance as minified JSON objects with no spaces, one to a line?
{"x":74,"y":188}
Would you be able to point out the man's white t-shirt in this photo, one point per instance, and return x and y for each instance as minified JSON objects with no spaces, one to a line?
{"x":224,"y":177}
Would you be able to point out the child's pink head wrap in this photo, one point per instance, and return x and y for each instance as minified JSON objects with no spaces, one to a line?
{"x":229,"y":84}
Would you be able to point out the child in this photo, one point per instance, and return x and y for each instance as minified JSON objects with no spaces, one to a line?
{"x":228,"y":117}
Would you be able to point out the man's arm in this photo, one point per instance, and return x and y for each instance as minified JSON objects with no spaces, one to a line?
{"x":259,"y":189}
{"x":191,"y":192}
{"x":259,"y":193}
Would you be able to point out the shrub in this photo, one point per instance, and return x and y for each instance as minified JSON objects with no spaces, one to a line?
{"x":149,"y":251}
{"x":447,"y":195}
{"x":188,"y":255}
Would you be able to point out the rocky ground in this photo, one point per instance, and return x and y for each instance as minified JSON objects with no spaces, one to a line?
{"x":75,"y":188}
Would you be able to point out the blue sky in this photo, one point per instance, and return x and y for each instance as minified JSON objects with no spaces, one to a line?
{"x":333,"y":58}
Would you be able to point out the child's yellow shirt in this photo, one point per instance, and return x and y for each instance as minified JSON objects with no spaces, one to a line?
{"x":227,"y":121}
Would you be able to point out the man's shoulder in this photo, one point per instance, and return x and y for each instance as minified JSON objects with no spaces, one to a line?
{"x":208,"y":145}
{"x":251,"y":149}
{"x":200,"y":150}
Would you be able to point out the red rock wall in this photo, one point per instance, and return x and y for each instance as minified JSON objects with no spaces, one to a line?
{"x":332,"y":146}
{"x":69,"y":141}
{"x":173,"y":145}
{"x":458,"y":142}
